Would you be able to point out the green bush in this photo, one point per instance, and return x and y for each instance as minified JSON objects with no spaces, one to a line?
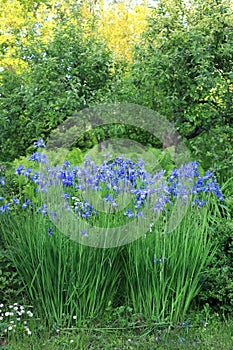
{"x":217,"y":288}
{"x":217,"y":283}
{"x":10,"y":281}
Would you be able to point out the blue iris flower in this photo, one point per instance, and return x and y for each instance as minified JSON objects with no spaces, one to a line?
{"x":26,"y":203}
{"x":19,"y":169}
{"x":4,"y":208}
{"x":39,"y":143}
{"x":84,"y":233}
{"x":50,"y":231}
{"x":2,"y":181}
{"x":129,"y":213}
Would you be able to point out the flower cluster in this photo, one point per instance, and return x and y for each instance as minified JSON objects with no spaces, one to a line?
{"x":187,"y":181}
{"x":113,"y":179}
{"x":14,"y":319}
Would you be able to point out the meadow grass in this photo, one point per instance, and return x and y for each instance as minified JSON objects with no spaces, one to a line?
{"x":215,"y":335}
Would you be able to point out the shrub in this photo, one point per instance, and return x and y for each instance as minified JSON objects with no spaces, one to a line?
{"x":10,"y":281}
{"x":217,"y":283}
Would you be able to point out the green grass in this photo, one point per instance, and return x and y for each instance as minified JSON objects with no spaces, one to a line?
{"x":216,"y":335}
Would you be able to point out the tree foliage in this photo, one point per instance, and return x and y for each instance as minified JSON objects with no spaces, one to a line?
{"x":53,"y":62}
{"x":183,"y":69}
{"x":122,"y":24}
{"x":22,"y":20}
{"x":69,"y":73}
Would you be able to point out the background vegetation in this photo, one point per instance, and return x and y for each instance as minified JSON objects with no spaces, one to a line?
{"x":175,"y":57}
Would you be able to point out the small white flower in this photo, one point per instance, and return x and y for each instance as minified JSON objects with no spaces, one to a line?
{"x":10,"y":328}
{"x":25,"y":322}
{"x":18,"y":318}
{"x":71,"y":341}
{"x":15,"y":304}
{"x":1,"y":305}
{"x":7,"y":313}
{"x":75,"y":317}
{"x":16,"y":308}
{"x":28,"y":330}
{"x":151,"y":226}
{"x":1,"y":318}
{"x":11,"y":322}
{"x":10,"y":306}
{"x":21,"y":307}
{"x":29,"y":313}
